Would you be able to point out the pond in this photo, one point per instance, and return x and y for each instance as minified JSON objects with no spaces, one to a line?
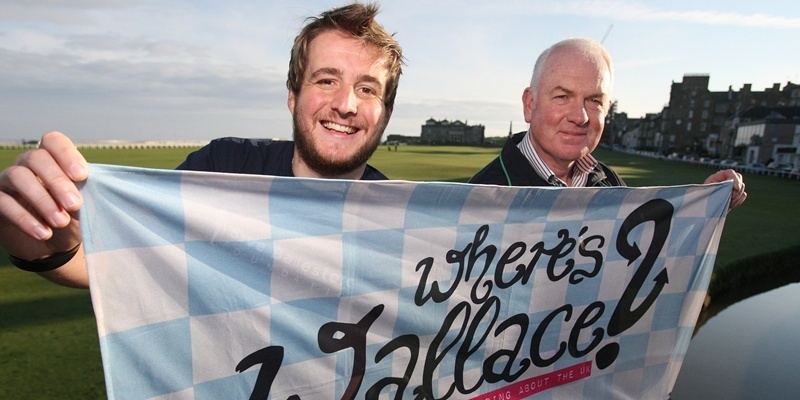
{"x":749,"y":350}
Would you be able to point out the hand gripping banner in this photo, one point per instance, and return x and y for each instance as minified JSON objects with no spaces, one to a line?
{"x":222,"y":286}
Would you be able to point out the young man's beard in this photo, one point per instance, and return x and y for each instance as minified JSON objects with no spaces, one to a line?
{"x":304,"y":144}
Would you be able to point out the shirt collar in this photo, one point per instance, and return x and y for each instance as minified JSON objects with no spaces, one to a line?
{"x":580,"y":170}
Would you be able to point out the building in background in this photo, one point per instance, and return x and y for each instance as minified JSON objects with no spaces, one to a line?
{"x":401,"y":139}
{"x":698,"y":121}
{"x":455,"y":132}
{"x":768,"y":135}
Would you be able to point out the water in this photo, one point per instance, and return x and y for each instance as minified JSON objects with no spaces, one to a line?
{"x":747,"y":351}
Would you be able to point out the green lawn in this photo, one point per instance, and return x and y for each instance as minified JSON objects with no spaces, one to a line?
{"x":48,"y":340}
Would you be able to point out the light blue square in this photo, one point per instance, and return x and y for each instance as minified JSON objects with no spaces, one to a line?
{"x":605,"y":204}
{"x":373,"y":261}
{"x":321,"y":215}
{"x":163,"y":363}
{"x":239,"y":386}
{"x":653,"y":376}
{"x":633,"y":351}
{"x":531,"y":206}
{"x":438,"y":205}
{"x":419,"y":320}
{"x":718,"y":196}
{"x":587,"y":291}
{"x":701,"y":275}
{"x":668,"y":310}
{"x":228,"y":276}
{"x":597,"y":384}
{"x":685,"y":236}
{"x":675,"y":195}
{"x":633,"y":237}
{"x":551,"y":339}
{"x":294,"y":326}
{"x":123,"y":192}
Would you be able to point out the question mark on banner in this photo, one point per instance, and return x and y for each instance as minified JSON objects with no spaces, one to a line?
{"x":625,"y":314}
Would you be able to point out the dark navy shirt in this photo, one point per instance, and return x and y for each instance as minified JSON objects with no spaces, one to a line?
{"x":251,"y":156}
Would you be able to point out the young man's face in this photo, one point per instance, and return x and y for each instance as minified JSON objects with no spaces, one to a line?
{"x":567,"y":111}
{"x":339,"y":114}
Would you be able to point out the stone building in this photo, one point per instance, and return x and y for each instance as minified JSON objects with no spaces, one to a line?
{"x":697,"y":120}
{"x":702,"y":122}
{"x":456,"y":132}
{"x":768,"y":134}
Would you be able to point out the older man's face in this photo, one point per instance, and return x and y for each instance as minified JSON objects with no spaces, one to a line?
{"x":567,"y":111}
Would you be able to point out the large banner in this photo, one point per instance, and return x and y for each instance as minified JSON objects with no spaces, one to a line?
{"x":222,"y":286}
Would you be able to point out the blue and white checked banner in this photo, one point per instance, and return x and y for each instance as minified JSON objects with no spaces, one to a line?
{"x":221,"y":286}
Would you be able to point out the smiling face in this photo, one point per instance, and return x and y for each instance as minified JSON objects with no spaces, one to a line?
{"x":568,"y":107}
{"x":339,"y":113}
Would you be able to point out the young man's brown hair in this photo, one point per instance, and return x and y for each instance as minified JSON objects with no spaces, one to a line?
{"x":356,"y":20}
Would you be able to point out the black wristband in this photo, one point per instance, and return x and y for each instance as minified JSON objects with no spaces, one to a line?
{"x":45,"y":264}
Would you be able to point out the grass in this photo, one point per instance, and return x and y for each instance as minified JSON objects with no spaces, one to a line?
{"x":48,"y":339}
{"x":432,"y":163}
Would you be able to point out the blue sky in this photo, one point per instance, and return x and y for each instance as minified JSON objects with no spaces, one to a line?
{"x":196,"y":70}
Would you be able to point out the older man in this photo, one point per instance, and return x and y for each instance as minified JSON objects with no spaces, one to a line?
{"x":343,"y":77}
{"x":566,"y":104}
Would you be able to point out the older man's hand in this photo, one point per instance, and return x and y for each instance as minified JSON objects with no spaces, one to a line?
{"x":739,"y":194}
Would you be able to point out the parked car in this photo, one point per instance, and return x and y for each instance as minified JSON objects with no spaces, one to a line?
{"x":729,"y":163}
{"x":757,"y":166}
{"x":786,"y":167}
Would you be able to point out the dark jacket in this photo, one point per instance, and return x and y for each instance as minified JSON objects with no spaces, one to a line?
{"x":251,"y":156}
{"x":511,"y":168}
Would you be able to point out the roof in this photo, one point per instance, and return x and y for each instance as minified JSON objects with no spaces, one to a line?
{"x":770,"y":113}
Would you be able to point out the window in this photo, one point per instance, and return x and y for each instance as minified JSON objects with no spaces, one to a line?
{"x":796,"y":141}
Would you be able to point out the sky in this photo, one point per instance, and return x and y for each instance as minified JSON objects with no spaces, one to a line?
{"x":194,"y":70}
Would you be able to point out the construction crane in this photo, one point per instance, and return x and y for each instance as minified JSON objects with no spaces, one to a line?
{"x":607,"y":32}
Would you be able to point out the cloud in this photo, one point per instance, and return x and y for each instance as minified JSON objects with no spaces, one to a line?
{"x":75,"y":71}
{"x":616,"y":10}
{"x":96,"y":98}
{"x":635,"y":11}
{"x":123,"y":65}
{"x":56,"y":11}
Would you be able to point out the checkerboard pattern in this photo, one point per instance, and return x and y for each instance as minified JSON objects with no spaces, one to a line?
{"x":192,"y":272}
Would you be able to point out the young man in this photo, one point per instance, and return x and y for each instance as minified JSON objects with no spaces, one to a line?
{"x":343,"y":77}
{"x":566,"y":105}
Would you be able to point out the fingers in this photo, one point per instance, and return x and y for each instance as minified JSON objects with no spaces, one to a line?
{"x":738,"y":198}
{"x":739,"y":194}
{"x":63,"y":151}
{"x":19,"y":216}
{"x":722,"y":176}
{"x":38,"y":191}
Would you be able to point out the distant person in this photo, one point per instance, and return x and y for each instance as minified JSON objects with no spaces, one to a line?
{"x":343,"y":77}
{"x":566,"y":105}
